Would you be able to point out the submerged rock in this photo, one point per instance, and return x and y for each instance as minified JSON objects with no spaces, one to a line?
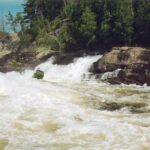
{"x":133,"y":107}
{"x":133,"y":64}
{"x":38,"y":74}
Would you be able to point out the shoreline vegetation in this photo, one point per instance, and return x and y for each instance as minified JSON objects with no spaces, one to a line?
{"x":75,"y":27}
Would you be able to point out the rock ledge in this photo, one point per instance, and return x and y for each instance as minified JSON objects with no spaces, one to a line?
{"x":133,"y":64}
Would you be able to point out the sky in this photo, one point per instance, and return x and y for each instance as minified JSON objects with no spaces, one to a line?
{"x":10,"y":5}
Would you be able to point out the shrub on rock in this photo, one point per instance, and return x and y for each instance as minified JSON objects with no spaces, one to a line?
{"x":38,"y":74}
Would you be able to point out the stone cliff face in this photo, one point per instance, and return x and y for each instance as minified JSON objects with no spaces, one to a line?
{"x":133,"y":64}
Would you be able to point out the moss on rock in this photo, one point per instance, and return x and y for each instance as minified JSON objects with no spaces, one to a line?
{"x":38,"y":74}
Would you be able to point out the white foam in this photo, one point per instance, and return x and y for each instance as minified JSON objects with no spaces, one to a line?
{"x":73,"y":71}
{"x":52,"y":115}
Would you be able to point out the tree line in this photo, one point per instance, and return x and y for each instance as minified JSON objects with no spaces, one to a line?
{"x":88,"y":25}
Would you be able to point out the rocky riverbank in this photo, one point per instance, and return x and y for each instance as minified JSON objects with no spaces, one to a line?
{"x":129,"y":65}
{"x":14,"y":58}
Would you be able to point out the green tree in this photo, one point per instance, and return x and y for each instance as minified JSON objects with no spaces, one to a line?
{"x":88,"y":26}
{"x":142,"y":22}
{"x":66,"y":38}
{"x":49,"y":9}
{"x":85,"y":24}
{"x":117,"y":23}
{"x":16,"y":22}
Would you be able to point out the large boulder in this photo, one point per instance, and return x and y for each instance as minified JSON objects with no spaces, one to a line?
{"x":132,"y":65}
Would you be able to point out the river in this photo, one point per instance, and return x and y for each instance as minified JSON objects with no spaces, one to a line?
{"x":68,"y":111}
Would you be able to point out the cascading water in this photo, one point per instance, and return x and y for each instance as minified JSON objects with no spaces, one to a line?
{"x":65,"y":112}
{"x":74,"y":71}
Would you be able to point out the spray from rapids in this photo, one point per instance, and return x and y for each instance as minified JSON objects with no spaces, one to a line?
{"x":63,"y":111}
{"x":74,"y":71}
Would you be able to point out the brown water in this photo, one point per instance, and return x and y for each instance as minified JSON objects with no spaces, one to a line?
{"x":65,"y":112}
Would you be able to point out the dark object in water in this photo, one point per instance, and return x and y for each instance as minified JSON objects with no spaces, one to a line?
{"x":38,"y":74}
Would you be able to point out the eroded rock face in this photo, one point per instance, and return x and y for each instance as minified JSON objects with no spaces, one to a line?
{"x":133,"y":64}
{"x":14,"y":58}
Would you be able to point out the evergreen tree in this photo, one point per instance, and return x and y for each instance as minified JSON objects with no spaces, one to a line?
{"x":88,"y":26}
{"x":47,"y":8}
{"x":16,"y":22}
{"x":142,"y":22}
{"x":117,"y":23}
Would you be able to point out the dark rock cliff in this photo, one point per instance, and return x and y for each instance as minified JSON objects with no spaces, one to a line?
{"x":133,"y":62}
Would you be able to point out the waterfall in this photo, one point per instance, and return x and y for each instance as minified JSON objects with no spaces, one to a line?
{"x":73,"y":71}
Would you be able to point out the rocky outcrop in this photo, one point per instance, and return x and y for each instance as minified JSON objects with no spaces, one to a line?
{"x":21,"y":60}
{"x":66,"y":58}
{"x":129,"y":65}
{"x":14,"y":58}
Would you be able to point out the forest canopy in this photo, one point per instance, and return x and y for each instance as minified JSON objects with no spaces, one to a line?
{"x":89,"y":25}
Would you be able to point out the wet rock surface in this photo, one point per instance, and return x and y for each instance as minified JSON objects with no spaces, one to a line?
{"x":65,"y":58}
{"x":133,"y":62}
{"x":133,"y":107}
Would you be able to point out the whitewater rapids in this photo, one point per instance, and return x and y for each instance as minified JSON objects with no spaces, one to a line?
{"x":63,"y":111}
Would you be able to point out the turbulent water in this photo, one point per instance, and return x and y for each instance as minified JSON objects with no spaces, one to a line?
{"x":66,"y":111}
